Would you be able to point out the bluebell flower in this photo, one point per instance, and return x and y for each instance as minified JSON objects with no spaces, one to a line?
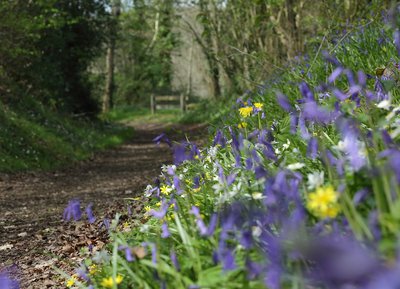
{"x":284,"y":102}
{"x":174,"y":260}
{"x":339,"y":262}
{"x":204,"y":230}
{"x":362,"y":78}
{"x":7,"y":283}
{"x":328,"y":57}
{"x":164,"y":230}
{"x":311,"y":111}
{"x":89,"y":213}
{"x":128,"y":253}
{"x":162,"y":138}
{"x":312,"y":149}
{"x":73,"y":210}
{"x":308,"y":95}
{"x":180,"y":154}
{"x":219,"y":139}
{"x":396,"y":37}
{"x":162,"y":212}
{"x":253,"y":269}
{"x":335,"y":74}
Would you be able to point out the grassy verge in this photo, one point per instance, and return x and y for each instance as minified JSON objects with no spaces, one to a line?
{"x":34,"y":138}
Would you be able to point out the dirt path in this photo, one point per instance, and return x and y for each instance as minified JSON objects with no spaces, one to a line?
{"x":33,"y":237}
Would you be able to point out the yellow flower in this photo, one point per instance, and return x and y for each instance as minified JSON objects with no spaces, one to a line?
{"x":245,"y":111}
{"x":147,"y":208}
{"x":71,"y":281}
{"x":158,"y":204}
{"x":196,"y":190}
{"x":93,"y":269}
{"x":165,"y":190}
{"x":242,"y":125}
{"x":109,"y":282}
{"x":323,"y":202}
{"x":258,"y":105}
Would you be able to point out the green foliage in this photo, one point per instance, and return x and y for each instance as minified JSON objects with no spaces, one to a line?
{"x":47,"y":47}
{"x":34,"y":138}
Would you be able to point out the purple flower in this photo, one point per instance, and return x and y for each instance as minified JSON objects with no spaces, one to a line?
{"x":312,"y":149}
{"x":7,"y":283}
{"x":311,"y":111}
{"x":162,"y":138}
{"x":393,"y":156}
{"x":396,"y":37}
{"x":106,"y":223}
{"x":180,"y":154}
{"x":227,"y":259}
{"x":339,"y":94}
{"x":284,"y":102}
{"x":331,"y":58}
{"x":89,"y":213}
{"x":204,"y":230}
{"x":73,"y":210}
{"x":352,"y":146}
{"x":306,"y":92}
{"x":341,"y":263}
{"x":174,"y":260}
{"x":362,"y":78}
{"x":165,"y":232}
{"x":335,"y":74}
{"x":161,"y":213}
{"x":359,"y":196}
{"x":253,"y":269}
{"x":177,"y":185}
{"x":219,"y":139}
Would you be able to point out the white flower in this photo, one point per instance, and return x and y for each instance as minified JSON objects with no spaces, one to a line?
{"x":256,"y":231}
{"x":212,"y":152}
{"x":385,"y":104}
{"x":256,"y":196}
{"x":315,"y":180}
{"x":148,"y":191}
{"x":144,"y":228}
{"x":295,"y":166}
{"x":286,"y":145}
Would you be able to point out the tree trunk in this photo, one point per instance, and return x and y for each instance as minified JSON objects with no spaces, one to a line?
{"x":109,"y":87}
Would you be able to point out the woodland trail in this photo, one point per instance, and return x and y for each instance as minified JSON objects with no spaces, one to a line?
{"x":33,"y":237}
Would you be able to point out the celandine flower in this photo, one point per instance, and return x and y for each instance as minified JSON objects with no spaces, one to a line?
{"x":323,"y":202}
{"x":245,"y":111}
{"x":109,"y":282}
{"x":165,"y":190}
{"x":242,"y":125}
{"x":258,"y":105}
{"x":71,"y":281}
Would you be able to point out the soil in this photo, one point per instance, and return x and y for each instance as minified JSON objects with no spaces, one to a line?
{"x":35,"y":240}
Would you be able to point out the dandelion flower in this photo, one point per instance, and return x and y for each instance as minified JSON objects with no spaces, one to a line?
{"x":245,"y":111}
{"x":109,"y":282}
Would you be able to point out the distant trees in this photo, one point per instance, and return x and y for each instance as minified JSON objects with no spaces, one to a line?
{"x":244,"y":41}
{"x":46,"y":49}
{"x":143,"y":49}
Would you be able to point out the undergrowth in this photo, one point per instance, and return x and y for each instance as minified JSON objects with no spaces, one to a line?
{"x":33,"y":137}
